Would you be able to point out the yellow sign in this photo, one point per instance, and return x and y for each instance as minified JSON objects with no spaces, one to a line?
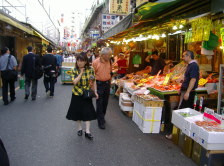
{"x":222,"y":37}
{"x":139,"y":2}
{"x":119,"y":7}
{"x":167,"y":78}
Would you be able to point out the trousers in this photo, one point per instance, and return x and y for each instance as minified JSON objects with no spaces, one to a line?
{"x":6,"y":85}
{"x":49,"y":84}
{"x":28,"y":82}
{"x":103,"y":90}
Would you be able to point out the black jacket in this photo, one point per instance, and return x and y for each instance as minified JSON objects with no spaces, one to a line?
{"x":30,"y":62}
{"x":49,"y":62}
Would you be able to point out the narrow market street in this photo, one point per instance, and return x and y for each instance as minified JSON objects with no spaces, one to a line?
{"x":36,"y":133}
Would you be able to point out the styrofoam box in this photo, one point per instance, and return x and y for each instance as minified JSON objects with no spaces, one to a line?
{"x":134,"y":117}
{"x":186,"y":132}
{"x":194,"y":132}
{"x":211,"y":137}
{"x":155,"y":129}
{"x":124,"y":108}
{"x":147,"y":112}
{"x":187,"y":123}
{"x":120,"y":97}
{"x":211,"y":146}
{"x":178,"y":119}
{"x":128,"y":84}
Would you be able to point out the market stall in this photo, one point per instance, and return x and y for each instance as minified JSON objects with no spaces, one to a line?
{"x":66,"y":72}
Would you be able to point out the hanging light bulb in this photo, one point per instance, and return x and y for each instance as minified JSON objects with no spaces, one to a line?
{"x":181,"y":26}
{"x":163,"y":35}
{"x":149,"y":36}
{"x":221,"y":47}
{"x":174,"y":27}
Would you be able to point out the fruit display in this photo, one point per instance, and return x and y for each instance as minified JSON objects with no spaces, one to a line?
{"x":167,"y":88}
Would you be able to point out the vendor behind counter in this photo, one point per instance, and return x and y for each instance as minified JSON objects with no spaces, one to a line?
{"x":156,"y":62}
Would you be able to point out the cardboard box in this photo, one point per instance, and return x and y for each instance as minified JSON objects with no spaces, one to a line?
{"x":175,"y":135}
{"x":196,"y":152}
{"x":187,"y":146}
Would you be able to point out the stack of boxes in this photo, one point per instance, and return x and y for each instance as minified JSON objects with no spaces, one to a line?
{"x":148,"y":119}
{"x":125,"y":102}
{"x":204,"y":147}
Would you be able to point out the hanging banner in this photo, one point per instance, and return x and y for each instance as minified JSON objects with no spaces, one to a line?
{"x":119,"y":7}
{"x":139,"y":2}
{"x":108,"y":21}
{"x":222,"y":37}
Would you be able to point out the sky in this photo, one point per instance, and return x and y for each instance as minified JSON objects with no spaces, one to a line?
{"x":37,"y":16}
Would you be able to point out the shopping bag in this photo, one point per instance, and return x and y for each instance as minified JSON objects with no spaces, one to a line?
{"x":21,"y":83}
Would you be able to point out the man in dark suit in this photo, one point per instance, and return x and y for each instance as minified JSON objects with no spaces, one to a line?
{"x":49,"y":63}
{"x":30,"y":63}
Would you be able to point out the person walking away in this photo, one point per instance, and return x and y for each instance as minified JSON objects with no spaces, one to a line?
{"x":30,"y":63}
{"x":102,"y":67}
{"x":156,"y":62}
{"x":81,"y":109}
{"x":49,"y":63}
{"x":122,"y":65}
{"x":190,"y":83}
{"x":90,"y":56}
{"x":7,"y":62}
{"x":59,"y":62}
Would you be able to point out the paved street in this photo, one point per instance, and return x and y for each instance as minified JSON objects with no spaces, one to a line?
{"x":36,"y":133}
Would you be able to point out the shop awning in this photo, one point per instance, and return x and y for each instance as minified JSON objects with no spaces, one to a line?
{"x":14,"y":23}
{"x":121,"y":26}
{"x":44,"y":40}
{"x":152,"y":14}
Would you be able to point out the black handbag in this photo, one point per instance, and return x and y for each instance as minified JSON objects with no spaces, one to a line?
{"x":88,"y":94}
{"x":9,"y":75}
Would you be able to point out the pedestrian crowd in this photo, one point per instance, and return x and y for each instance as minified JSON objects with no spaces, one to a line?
{"x":91,"y":78}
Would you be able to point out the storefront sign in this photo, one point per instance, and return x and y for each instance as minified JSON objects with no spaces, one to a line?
{"x":119,"y":7}
{"x":139,"y":2}
{"x":108,"y":21}
{"x":222,"y":37}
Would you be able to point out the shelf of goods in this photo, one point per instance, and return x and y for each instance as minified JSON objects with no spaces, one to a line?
{"x":208,"y":133}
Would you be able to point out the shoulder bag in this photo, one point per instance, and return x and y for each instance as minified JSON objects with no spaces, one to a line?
{"x":9,"y":75}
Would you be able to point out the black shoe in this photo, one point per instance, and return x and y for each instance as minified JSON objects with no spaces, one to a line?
{"x":102,"y":126}
{"x":89,"y":136}
{"x":33,"y":98}
{"x":13,"y":99}
{"x":6,"y":103}
{"x":26,"y":97}
{"x":79,"y":133}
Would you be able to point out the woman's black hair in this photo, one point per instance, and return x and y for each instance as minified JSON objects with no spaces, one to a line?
{"x":82,"y":57}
